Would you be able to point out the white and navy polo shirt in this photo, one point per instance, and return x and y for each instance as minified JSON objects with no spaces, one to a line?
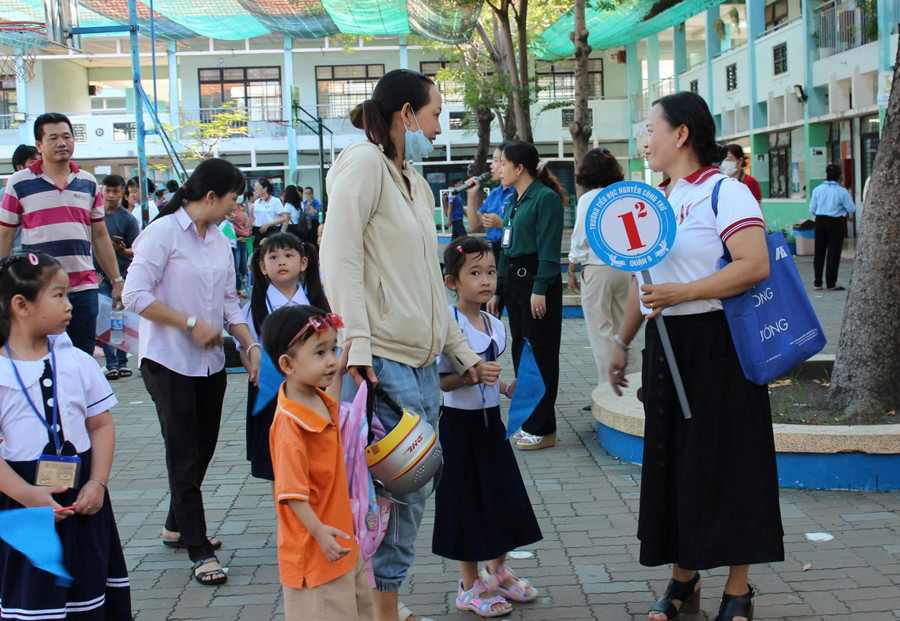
{"x":700,"y":234}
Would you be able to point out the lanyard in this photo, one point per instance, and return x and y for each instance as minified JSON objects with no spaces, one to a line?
{"x":491,"y":357}
{"x":51,"y":428}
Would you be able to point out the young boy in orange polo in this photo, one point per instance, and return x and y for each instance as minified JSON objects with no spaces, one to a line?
{"x":322,"y":572}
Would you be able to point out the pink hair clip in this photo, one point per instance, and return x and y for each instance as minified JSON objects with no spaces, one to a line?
{"x":32,"y":258}
{"x":460,"y":249}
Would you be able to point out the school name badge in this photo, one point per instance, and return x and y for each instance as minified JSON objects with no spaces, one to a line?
{"x":630,"y":225}
{"x":57,"y":470}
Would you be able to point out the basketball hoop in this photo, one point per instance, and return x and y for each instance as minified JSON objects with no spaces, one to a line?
{"x":278,"y":129}
{"x":20,"y":39}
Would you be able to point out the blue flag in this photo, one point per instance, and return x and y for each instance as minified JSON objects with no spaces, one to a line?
{"x":269,"y":382}
{"x":530,"y":390}
{"x":32,"y":533}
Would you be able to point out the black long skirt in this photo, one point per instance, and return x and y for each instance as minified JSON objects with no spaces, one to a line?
{"x":709,"y":485}
{"x":258,"y":452}
{"x":92,"y":554}
{"x":482,"y":509}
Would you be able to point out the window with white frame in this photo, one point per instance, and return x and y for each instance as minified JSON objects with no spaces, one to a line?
{"x":731,"y":77}
{"x":339,"y":88}
{"x":779,"y":58}
{"x":254,"y":89}
{"x":556,"y":81}
{"x":8,"y":105}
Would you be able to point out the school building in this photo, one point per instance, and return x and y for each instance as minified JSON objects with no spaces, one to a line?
{"x":798,"y":83}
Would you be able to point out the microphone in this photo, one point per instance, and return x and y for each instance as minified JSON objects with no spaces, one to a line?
{"x":480,"y":179}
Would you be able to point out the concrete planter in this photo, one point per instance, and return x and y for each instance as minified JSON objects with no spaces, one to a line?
{"x":845,"y":457}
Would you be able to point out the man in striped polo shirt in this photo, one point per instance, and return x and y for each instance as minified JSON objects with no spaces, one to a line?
{"x":60,"y":209}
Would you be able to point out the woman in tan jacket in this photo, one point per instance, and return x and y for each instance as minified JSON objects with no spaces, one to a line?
{"x":380,"y":263}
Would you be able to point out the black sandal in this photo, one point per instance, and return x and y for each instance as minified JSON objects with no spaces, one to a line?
{"x":688,"y":593}
{"x":736,"y":606}
{"x":211,"y":577}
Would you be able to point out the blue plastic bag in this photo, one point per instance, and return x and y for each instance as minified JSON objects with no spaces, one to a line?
{"x":773,"y":324}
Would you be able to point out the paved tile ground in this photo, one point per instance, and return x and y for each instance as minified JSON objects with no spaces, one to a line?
{"x":585,"y":500}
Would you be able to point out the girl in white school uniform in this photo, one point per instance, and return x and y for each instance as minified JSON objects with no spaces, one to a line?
{"x":285,"y":273}
{"x":57,"y":450}
{"x":482,"y":510}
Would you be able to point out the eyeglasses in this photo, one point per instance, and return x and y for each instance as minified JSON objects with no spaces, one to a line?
{"x":319,"y":323}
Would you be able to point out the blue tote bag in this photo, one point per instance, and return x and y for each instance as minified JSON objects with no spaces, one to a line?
{"x":773,"y":324}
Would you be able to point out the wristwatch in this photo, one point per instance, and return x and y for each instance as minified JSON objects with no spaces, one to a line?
{"x":117,"y":280}
{"x":191,"y":322}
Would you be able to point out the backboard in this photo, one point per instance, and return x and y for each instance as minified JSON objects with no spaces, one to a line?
{"x":62,"y":16}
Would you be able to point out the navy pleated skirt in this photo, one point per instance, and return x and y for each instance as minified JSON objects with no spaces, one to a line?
{"x":482,"y":509}
{"x":92,"y":554}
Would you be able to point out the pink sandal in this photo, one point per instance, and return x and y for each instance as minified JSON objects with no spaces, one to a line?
{"x":521,"y":590}
{"x":470,"y":600}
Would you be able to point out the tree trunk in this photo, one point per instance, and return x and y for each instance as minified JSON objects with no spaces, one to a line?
{"x":581,"y":129}
{"x":866,"y":378}
{"x":483,"y":117}
{"x":523,"y":101}
{"x":522,"y":126}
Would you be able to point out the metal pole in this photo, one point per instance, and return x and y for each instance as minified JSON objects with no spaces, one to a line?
{"x":174,"y":102}
{"x":287,"y":107}
{"x":153,"y":54}
{"x":670,"y":355}
{"x":138,"y":107}
{"x":323,"y":194}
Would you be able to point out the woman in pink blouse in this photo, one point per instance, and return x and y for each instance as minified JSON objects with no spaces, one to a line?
{"x":181,"y":282}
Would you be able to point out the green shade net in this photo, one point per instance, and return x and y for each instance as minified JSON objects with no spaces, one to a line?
{"x":304,"y":19}
{"x":117,"y":10}
{"x":218,"y":19}
{"x":611,"y":23}
{"x":451,"y":21}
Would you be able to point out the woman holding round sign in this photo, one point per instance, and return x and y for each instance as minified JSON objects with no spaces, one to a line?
{"x":529,"y":280}
{"x":709,"y":486}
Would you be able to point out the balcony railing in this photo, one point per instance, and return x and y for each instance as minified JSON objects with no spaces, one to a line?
{"x":842,"y":25}
{"x":640,"y":104}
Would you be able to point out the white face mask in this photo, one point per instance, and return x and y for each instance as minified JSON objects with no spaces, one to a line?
{"x":728,"y":168}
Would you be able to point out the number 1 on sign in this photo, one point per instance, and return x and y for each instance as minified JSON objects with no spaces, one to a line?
{"x":631,"y":230}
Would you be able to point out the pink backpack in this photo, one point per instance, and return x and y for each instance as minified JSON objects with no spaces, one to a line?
{"x":370,"y":510}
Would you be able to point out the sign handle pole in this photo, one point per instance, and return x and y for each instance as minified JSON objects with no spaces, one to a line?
{"x":670,"y":355}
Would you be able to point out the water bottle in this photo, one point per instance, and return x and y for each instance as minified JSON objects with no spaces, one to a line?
{"x":116,"y":324}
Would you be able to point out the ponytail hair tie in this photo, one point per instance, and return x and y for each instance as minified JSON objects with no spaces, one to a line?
{"x":184,"y":187}
{"x":542,"y":164}
{"x":461,"y":251}
{"x":33,"y":259}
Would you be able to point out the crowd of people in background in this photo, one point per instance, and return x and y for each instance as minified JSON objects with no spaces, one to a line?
{"x":184,"y":258}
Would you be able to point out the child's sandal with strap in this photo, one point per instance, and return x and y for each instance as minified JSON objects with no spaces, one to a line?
{"x":472,"y":600}
{"x":521,"y":590}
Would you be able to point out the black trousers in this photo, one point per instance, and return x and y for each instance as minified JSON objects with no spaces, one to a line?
{"x":829,"y":243}
{"x":189,"y":411}
{"x":543,"y":334}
